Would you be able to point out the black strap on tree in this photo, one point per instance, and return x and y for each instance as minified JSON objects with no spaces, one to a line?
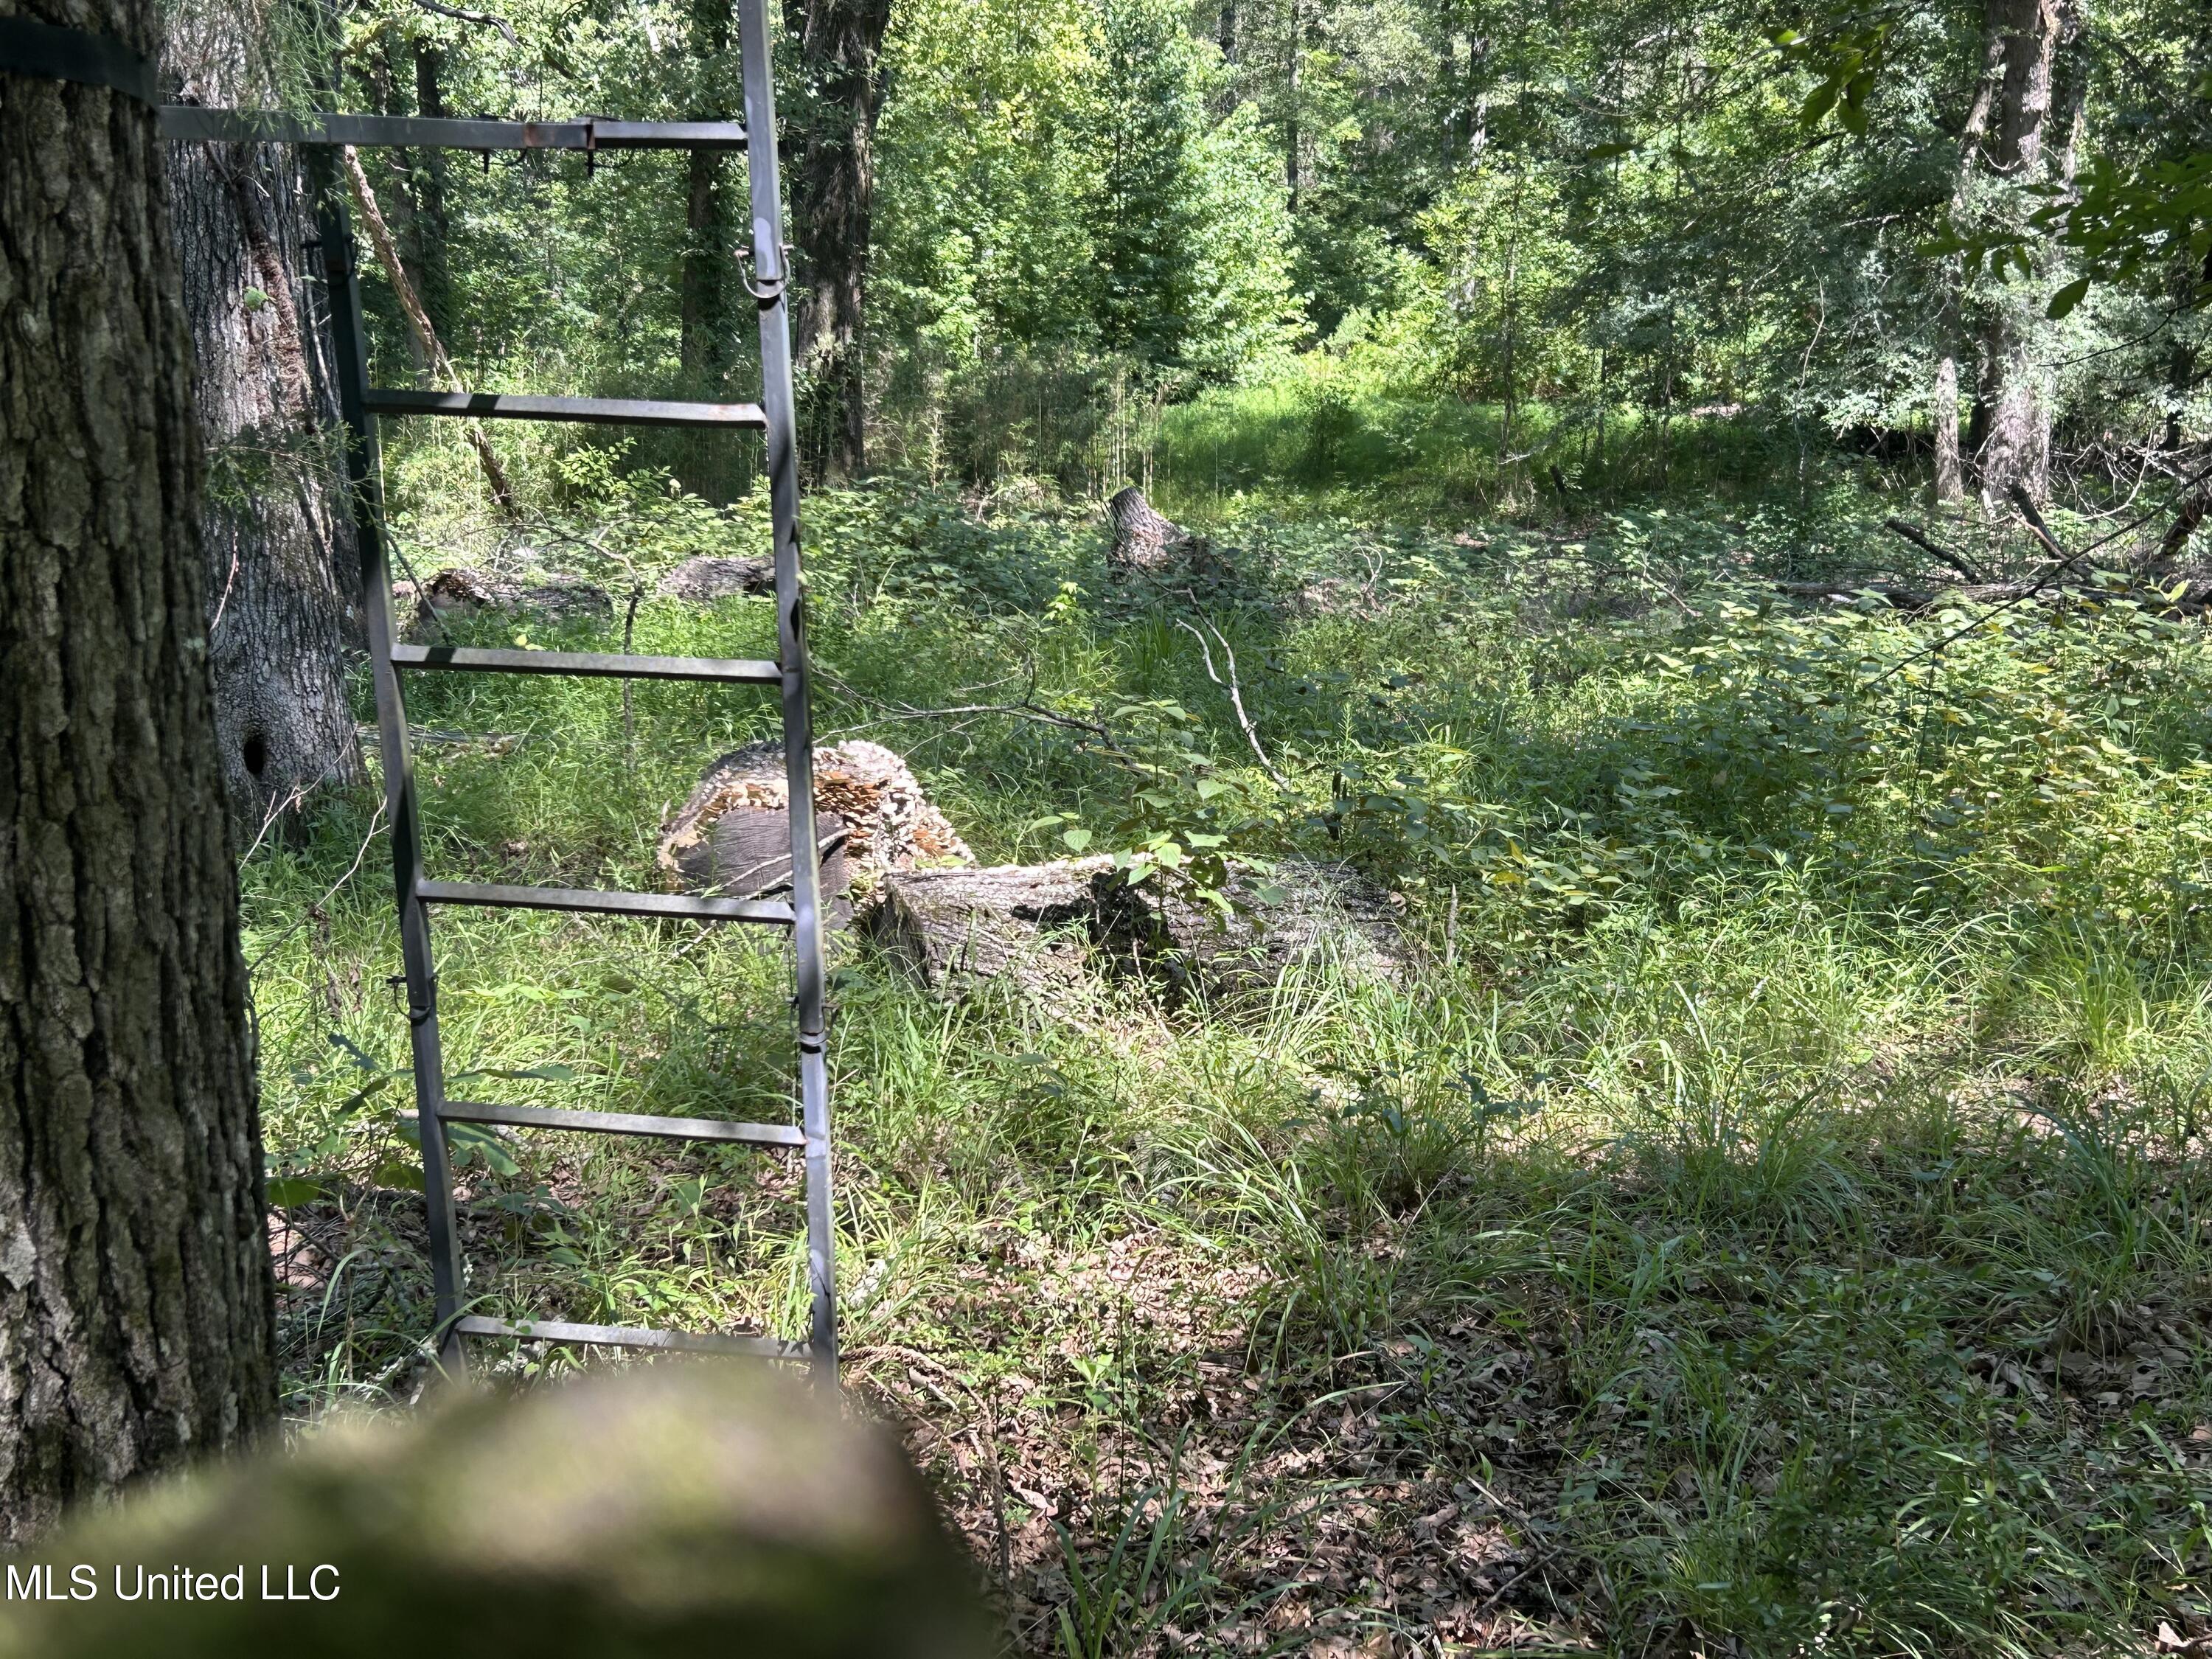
{"x":44,"y":51}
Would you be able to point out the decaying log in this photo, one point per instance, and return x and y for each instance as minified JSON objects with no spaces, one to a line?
{"x":463,"y":591}
{"x":953,"y":929}
{"x":1038,"y":924}
{"x":889,"y":824}
{"x":1318,"y":910}
{"x":707,"y":578}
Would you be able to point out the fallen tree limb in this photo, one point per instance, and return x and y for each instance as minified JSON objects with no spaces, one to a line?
{"x":1236,"y":693}
{"x":2192,"y":514}
{"x":2066,"y":562}
{"x":1921,"y":539}
{"x":418,"y":321}
{"x":2026,"y":503}
{"x":1026,"y":709}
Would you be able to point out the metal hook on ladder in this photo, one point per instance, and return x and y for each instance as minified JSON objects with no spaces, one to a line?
{"x":771,"y":287}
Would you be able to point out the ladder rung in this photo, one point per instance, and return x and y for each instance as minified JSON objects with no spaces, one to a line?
{"x":628,"y":1336}
{"x":189,"y":123}
{"x":676,"y":906}
{"x":731,"y":671}
{"x":624,"y":1123}
{"x":598,"y":411}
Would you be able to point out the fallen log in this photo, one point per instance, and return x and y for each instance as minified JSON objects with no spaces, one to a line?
{"x":704,"y":579}
{"x":465,"y":591}
{"x":1038,"y":925}
{"x":952,"y":930}
{"x":1300,"y":911}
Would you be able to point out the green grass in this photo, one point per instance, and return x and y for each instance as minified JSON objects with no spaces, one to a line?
{"x":1329,"y":432}
{"x":1770,"y":1217}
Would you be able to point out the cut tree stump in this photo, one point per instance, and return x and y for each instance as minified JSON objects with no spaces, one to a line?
{"x":704,"y":579}
{"x":746,"y":853}
{"x":1142,"y":537}
{"x":888,"y":824}
{"x":953,"y":929}
{"x":1146,"y":540}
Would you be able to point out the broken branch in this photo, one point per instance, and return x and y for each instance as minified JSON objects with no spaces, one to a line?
{"x":418,"y":321}
{"x":481,"y":19}
{"x":1235,"y":693}
{"x":1921,"y":539}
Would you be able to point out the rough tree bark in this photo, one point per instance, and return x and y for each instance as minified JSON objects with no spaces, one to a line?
{"x":833,"y":186}
{"x":1143,"y":538}
{"x":281,"y":611}
{"x":136,"y":1323}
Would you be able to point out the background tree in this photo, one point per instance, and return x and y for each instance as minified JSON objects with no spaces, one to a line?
{"x":708,"y":322}
{"x":136,"y":1324}
{"x":279,"y":548}
{"x":2018,"y":129}
{"x":832,"y":187}
{"x":1008,"y":218}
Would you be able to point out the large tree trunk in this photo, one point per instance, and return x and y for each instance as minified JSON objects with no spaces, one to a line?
{"x":281,"y":615}
{"x":135,"y":1307}
{"x":2017,"y":450}
{"x":833,"y":184}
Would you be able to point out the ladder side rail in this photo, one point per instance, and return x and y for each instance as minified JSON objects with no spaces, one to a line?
{"x":363,"y":476}
{"x":771,"y":282}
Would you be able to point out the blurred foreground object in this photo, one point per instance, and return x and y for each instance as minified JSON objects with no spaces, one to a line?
{"x":680,"y":1509}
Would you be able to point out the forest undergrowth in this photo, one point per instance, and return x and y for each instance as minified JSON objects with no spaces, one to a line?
{"x":1769,"y":1217}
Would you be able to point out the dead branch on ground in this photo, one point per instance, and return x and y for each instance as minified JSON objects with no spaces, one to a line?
{"x":1236,"y":692}
{"x":1026,"y":707}
{"x":1921,"y":539}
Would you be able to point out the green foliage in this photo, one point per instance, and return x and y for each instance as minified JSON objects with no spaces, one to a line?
{"x":1768,"y":1214}
{"x":1793,"y":1088}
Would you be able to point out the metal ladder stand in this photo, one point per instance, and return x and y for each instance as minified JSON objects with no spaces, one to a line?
{"x":360,"y":404}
